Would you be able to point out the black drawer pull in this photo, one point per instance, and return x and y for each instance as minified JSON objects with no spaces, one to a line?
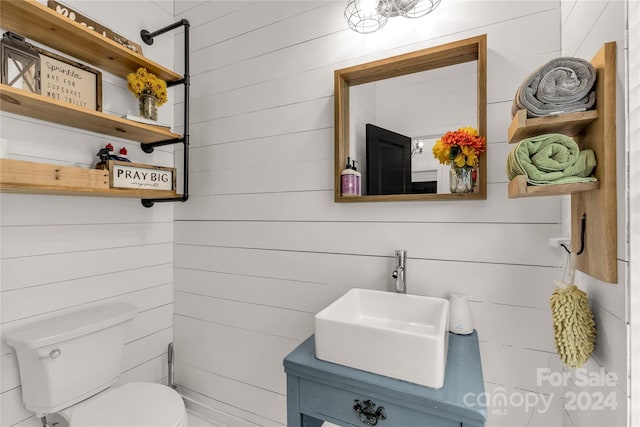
{"x":368,"y":413}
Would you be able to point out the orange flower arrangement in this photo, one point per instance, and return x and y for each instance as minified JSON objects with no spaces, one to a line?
{"x":460,"y":148}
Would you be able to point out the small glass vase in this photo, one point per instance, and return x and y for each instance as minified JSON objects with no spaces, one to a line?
{"x":148,"y":106}
{"x":462,"y":179}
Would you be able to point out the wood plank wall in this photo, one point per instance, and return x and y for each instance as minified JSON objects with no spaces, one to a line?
{"x":261,"y":247}
{"x":60,"y":254}
{"x":585,"y":28}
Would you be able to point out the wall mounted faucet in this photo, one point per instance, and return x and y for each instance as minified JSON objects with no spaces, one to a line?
{"x":399,"y":273}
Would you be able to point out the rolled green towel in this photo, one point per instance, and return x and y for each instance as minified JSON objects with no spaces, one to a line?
{"x":551,"y":159}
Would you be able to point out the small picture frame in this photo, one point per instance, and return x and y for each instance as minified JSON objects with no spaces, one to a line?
{"x":69,"y":81}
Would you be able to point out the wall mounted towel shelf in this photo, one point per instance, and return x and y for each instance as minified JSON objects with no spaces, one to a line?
{"x":570,"y":124}
{"x":518,"y":187}
{"x":594,"y":130}
{"x":37,"y":22}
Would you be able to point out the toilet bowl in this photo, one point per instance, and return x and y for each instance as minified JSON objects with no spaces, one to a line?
{"x":133,"y":404}
{"x":69,"y":364}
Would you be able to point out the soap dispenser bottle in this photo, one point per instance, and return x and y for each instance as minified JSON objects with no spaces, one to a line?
{"x":358,"y":178}
{"x":348,"y":180}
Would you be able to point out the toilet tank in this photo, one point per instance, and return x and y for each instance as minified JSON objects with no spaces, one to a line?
{"x":69,"y":358}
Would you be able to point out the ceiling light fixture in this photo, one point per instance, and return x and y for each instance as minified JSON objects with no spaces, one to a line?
{"x":367,"y":16}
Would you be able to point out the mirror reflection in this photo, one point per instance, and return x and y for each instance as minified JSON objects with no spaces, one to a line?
{"x":389,"y":114}
{"x":394,"y":123}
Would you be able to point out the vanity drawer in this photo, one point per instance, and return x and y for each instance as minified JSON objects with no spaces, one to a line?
{"x":331,"y":403}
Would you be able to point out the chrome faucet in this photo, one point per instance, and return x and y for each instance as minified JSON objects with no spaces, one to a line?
{"x":399,"y":272}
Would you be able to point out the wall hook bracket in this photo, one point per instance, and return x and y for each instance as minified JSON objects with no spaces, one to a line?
{"x":582,"y":233}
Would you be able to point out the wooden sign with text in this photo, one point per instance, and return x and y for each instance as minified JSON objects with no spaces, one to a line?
{"x":69,"y":81}
{"x":141,"y":177}
{"x":92,"y":25}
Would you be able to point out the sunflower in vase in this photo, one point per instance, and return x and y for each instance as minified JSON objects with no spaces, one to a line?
{"x":150,"y":90}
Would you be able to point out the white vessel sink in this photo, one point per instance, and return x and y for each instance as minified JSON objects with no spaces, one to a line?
{"x":396,"y":335}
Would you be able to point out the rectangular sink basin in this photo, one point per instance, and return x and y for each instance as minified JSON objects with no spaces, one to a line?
{"x":397,"y":335}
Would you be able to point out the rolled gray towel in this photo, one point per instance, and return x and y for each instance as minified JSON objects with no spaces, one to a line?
{"x":562,"y":85}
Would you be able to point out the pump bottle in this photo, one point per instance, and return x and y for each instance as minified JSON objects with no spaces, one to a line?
{"x":358,"y":178}
{"x":348,"y":180}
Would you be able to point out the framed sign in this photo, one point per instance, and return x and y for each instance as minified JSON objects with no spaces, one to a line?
{"x":68,"y":81}
{"x":141,"y":177}
{"x":93,"y":26}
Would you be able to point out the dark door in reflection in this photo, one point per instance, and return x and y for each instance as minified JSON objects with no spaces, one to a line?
{"x":388,"y":161}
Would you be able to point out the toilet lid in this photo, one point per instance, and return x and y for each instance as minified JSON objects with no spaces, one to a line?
{"x":133,"y":404}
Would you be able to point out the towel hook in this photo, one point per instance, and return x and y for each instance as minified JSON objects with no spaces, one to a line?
{"x":582,"y":232}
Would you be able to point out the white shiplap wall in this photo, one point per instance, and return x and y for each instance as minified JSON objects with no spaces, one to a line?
{"x":633,"y":298}
{"x":261,"y":247}
{"x":586,"y":26}
{"x":60,"y":253}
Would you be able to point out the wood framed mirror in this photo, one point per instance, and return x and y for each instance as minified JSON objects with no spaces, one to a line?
{"x":445,"y":70}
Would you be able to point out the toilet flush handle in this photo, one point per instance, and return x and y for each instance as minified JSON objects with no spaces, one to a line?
{"x":53,"y":354}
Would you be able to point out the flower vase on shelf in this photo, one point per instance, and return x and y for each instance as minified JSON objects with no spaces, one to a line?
{"x":150,"y":91}
{"x":461,"y":179}
{"x":148,"y":106}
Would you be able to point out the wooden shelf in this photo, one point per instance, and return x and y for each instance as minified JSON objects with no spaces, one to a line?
{"x":40,"y":107}
{"x":37,"y":22}
{"x":518,"y":187}
{"x":18,"y":176}
{"x":600,"y":258}
{"x":597,"y":201}
{"x":570,"y":124}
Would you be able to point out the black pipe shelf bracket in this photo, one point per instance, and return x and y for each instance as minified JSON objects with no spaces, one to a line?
{"x":148,"y":37}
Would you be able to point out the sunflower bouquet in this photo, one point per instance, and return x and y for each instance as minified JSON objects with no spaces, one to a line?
{"x":144,"y":82}
{"x":460,"y":148}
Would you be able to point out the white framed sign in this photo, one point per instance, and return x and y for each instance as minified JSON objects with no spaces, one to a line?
{"x":69,"y":81}
{"x":141,"y":177}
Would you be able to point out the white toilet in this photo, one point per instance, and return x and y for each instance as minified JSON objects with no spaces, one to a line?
{"x":69,"y":363}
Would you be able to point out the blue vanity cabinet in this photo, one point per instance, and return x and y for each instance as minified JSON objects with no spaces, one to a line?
{"x":320,"y":391}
